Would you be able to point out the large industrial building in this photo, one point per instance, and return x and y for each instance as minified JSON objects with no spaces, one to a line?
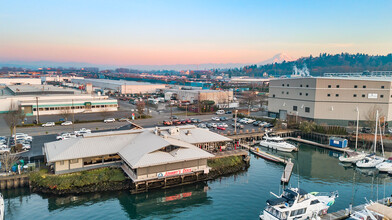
{"x":51,"y":100}
{"x":143,"y":154}
{"x":20,"y":81}
{"x":331,"y":100}
{"x":193,"y":96}
{"x":122,"y":86}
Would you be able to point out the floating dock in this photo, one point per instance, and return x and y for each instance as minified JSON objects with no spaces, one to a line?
{"x":287,"y":172}
{"x":267,"y":156}
{"x":317,"y":144}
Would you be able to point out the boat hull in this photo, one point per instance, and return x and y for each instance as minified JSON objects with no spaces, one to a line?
{"x":352,"y":159}
{"x":279,"y":147}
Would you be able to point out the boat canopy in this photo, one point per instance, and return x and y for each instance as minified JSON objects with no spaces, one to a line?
{"x":381,"y":209}
{"x":276,"y":201}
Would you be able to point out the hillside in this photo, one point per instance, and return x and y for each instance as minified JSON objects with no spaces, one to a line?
{"x":324,"y":63}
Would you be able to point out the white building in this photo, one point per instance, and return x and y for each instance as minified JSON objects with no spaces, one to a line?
{"x":218,"y":96}
{"x":20,"y":81}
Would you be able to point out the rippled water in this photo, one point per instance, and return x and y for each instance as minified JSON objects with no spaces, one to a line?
{"x":240,"y":196}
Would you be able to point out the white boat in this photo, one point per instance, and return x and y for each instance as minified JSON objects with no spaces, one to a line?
{"x":276,"y":143}
{"x":352,"y":156}
{"x":372,"y":161}
{"x":296,"y":203}
{"x":372,"y":211}
{"x":385,"y":166}
{"x":1,"y":207}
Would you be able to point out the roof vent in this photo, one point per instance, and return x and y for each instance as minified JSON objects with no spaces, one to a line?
{"x":188,"y":132}
{"x":174,"y":131}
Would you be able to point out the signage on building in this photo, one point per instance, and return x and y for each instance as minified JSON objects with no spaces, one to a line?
{"x":372,"y":95}
{"x":174,"y":172}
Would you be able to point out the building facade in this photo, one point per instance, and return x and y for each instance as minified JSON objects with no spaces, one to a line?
{"x":330,"y":100}
{"x":193,"y":96}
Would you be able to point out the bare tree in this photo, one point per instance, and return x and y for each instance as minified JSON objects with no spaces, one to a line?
{"x":371,"y":116}
{"x":140,"y":108}
{"x":250,"y":97}
{"x":12,"y":118}
{"x":7,"y":160}
{"x":66,"y":112}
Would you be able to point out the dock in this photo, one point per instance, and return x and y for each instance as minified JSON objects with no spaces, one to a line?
{"x":287,"y":172}
{"x":317,"y":144}
{"x":268,"y":156}
{"x":344,"y":213}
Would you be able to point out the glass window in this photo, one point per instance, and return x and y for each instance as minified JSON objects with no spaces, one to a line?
{"x":62,"y":162}
{"x":287,"y":93}
{"x":337,"y":95}
{"x":364,"y":86}
{"x":306,"y":94}
{"x":355,"y":95}
{"x":288,"y":85}
{"x":337,"y":86}
{"x":300,"y":93}
{"x":307,"y":85}
{"x":273,"y":95}
{"x":300,"y":85}
{"x":295,"y":108}
{"x":307,"y":109}
{"x":314,"y":202}
{"x":282,"y":84}
{"x":74,"y":161}
{"x":382,"y":87}
{"x":381,"y":96}
{"x":363,"y":96}
{"x":282,"y":92}
{"x":328,"y":95}
{"x":46,"y":109}
{"x":355,"y":86}
{"x":329,"y":86}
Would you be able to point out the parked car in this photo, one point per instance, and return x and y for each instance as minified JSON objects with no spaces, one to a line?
{"x":188,"y":121}
{"x":22,"y":136}
{"x":82,"y":131}
{"x":109,"y":120}
{"x":229,"y":112}
{"x":214,"y":125}
{"x":240,"y":126}
{"x":209,"y":125}
{"x":176,"y":122}
{"x":220,"y":128}
{"x":223,"y":119}
{"x":366,"y":130}
{"x":268,"y":125}
{"x":64,"y":136}
{"x":183,"y":121}
{"x":48,"y":124}
{"x":256,"y":123}
{"x":167,"y":123}
{"x":215,"y":118}
{"x":66,"y":123}
{"x":173,"y":117}
{"x":220,"y":112}
{"x":195,"y":120}
{"x":201,"y":125}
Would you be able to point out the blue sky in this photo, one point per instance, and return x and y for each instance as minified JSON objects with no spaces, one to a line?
{"x":185,"y":32}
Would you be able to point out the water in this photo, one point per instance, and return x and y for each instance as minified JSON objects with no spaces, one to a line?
{"x":240,"y":196}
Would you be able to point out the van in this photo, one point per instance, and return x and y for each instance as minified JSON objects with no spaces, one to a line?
{"x":220,"y":112}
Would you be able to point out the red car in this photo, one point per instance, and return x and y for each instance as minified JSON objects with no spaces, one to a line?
{"x":176,"y":122}
{"x":183,"y":121}
{"x":188,"y":121}
{"x":221,"y":128}
{"x":167,"y":123}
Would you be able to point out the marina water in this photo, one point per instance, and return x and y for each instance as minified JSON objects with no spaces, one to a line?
{"x":240,"y":196}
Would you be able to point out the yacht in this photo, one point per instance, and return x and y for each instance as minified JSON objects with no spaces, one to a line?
{"x":276,"y":143}
{"x":1,"y":207}
{"x":372,"y":211}
{"x":352,"y":157}
{"x":385,"y":166}
{"x":296,"y":203}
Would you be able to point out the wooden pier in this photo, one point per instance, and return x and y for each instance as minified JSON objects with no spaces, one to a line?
{"x":317,"y":144}
{"x":345,"y":213}
{"x":267,"y":156}
{"x":287,"y":172}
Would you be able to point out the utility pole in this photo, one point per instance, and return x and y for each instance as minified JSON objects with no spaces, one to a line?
{"x":186,"y":110}
{"x":37,"y":110}
{"x":171,"y":112}
{"x":235,"y":122}
{"x":73,"y":115}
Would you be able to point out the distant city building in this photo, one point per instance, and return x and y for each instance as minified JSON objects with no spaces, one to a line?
{"x":91,"y":69}
{"x":122,"y":86}
{"x":330,"y":100}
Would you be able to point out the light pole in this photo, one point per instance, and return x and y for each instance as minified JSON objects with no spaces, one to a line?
{"x":356,"y":134}
{"x":37,"y":119}
{"x":235,"y":122}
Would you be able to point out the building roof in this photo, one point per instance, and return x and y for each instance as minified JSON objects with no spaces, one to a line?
{"x":113,"y":82}
{"x":365,"y":78}
{"x":137,"y":147}
{"x":38,"y":90}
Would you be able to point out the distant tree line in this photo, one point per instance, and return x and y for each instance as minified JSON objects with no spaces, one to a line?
{"x":324,"y":63}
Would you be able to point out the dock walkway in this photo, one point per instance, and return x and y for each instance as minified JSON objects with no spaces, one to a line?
{"x":287,"y":172}
{"x":317,"y":144}
{"x":344,"y":213}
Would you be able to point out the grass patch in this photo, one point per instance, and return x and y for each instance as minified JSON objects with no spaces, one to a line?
{"x":78,"y":179}
{"x":224,"y":162}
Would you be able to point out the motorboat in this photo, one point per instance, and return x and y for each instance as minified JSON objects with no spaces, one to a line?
{"x":352,"y":157}
{"x":372,"y":211}
{"x":385,"y":166}
{"x":276,"y":143}
{"x":295,"y":203}
{"x":370,"y":161}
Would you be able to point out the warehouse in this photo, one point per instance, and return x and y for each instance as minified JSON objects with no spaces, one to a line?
{"x":143,"y":154}
{"x":20,"y":81}
{"x":193,"y":96}
{"x":122,"y":86}
{"x":51,"y":100}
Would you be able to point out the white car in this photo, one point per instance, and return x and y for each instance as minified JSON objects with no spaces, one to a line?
{"x":224,"y":125}
{"x":23,"y":136}
{"x":214,"y":125}
{"x":48,"y":124}
{"x":215,"y":118}
{"x":66,"y":123}
{"x":65,"y":136}
{"x":250,"y":121}
{"x":26,"y":146}
{"x":82,"y":131}
{"x":108,"y":120}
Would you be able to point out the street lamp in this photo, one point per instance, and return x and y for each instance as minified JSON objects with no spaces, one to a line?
{"x":235,"y":122}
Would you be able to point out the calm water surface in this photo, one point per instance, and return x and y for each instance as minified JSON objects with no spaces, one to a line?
{"x":240,"y":196}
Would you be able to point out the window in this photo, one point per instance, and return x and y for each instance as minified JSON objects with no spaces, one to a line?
{"x":300,"y":93}
{"x":363,"y":95}
{"x":282,"y":92}
{"x":62,"y":162}
{"x":300,"y":85}
{"x":306,"y":94}
{"x":307,"y":85}
{"x":355,"y":95}
{"x":35,"y":109}
{"x":337,"y":86}
{"x":74,"y":161}
{"x":307,"y":109}
{"x":288,"y":85}
{"x":355,"y":86}
{"x":282,"y":84}
{"x":329,"y":86}
{"x":328,"y":95}
{"x":337,"y":95}
{"x":381,"y":96}
{"x":287,"y":93}
{"x":46,"y":109}
{"x":314,"y":202}
{"x":295,"y":108}
{"x":364,"y":86}
{"x":273,"y":95}
{"x":382,"y":87}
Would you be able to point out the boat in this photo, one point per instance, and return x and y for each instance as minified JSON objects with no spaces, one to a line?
{"x":295,"y":203}
{"x":276,"y":143}
{"x":385,"y":166}
{"x":372,"y":211}
{"x":352,"y":157}
{"x":373,"y":160}
{"x":1,"y":207}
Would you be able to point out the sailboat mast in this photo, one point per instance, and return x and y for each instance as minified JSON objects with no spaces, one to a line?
{"x":375,"y":132}
{"x":356,"y":134}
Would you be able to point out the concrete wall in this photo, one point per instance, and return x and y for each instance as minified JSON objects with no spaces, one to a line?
{"x":59,"y":167}
{"x":75,"y":165}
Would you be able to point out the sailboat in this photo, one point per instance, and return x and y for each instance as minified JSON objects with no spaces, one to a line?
{"x":372,"y":160}
{"x":385,"y":166}
{"x":353,"y":156}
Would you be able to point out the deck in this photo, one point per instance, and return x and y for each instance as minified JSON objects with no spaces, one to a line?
{"x":287,"y":172}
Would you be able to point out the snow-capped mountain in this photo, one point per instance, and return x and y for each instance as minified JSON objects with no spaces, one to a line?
{"x":278,"y":58}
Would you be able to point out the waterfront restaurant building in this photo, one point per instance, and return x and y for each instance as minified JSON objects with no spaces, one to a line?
{"x":330,"y":100}
{"x":143,"y":154}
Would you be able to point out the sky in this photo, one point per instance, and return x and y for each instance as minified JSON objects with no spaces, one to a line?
{"x":172,"y":32}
